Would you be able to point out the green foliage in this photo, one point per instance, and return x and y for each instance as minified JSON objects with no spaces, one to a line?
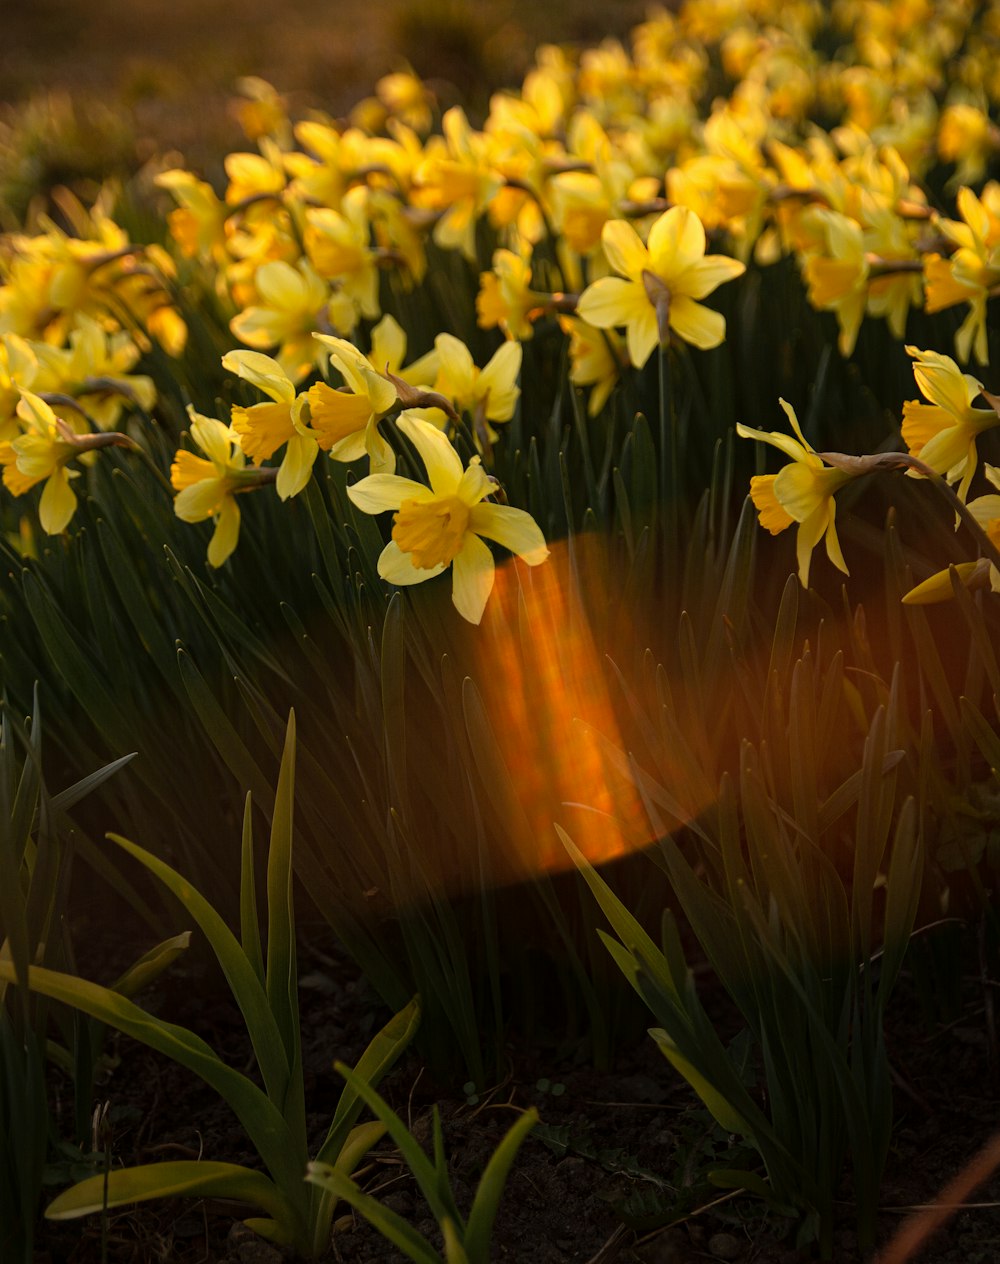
{"x":35,"y":849}
{"x":466,"y":1241}
{"x":800,"y":876}
{"x":264,"y":983}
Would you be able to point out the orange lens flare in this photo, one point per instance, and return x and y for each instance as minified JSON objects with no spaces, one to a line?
{"x":545,"y":689}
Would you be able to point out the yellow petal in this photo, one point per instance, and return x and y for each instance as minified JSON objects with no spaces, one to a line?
{"x":472,"y":578}
{"x":379,"y":492}
{"x":676,"y":242}
{"x":701,"y":326}
{"x":515,"y":529}
{"x":624,"y":249}
{"x":58,"y":502}
{"x":226,"y":533}
{"x":261,"y":371}
{"x":296,"y":467}
{"x":397,"y":567}
{"x":442,"y":462}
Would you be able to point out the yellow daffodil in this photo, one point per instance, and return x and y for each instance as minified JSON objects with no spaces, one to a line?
{"x":198,"y":224}
{"x":93,"y":369}
{"x":979,"y":574}
{"x":41,"y":454}
{"x":207,"y":488}
{"x":489,"y":393}
{"x":943,"y":433}
{"x":457,"y":179}
{"x":446,"y":523}
{"x":837,"y":277}
{"x":596,"y":357}
{"x":339,"y":246}
{"x":264,"y":428}
{"x":346,"y":422}
{"x":18,"y":369}
{"x":802,"y":492}
{"x":291,"y":308}
{"x":971,"y":272}
{"x":505,"y":296}
{"x":661,"y":285}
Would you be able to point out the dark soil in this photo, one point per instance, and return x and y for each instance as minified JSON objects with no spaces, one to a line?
{"x":617,"y":1171}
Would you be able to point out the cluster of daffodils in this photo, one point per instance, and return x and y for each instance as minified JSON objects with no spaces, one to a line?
{"x":940,"y":435}
{"x":603,"y":204}
{"x":437,"y":525}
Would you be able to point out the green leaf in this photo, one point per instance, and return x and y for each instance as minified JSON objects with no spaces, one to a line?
{"x":219,"y":728}
{"x":281,"y":976}
{"x":249,"y":925}
{"x":491,"y":1185}
{"x":423,"y":1170}
{"x":151,"y":965}
{"x":71,"y":796}
{"x":391,"y":1225}
{"x":377,"y":1060}
{"x":258,"y":1115}
{"x":243,"y":982}
{"x":171,"y":1180}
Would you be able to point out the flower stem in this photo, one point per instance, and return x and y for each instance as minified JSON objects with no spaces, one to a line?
{"x":669,"y":480}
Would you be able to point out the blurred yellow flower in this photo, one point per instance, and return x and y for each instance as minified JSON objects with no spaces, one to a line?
{"x":292,"y":302}
{"x":943,"y":432}
{"x":40,"y":454}
{"x":662,"y":286}
{"x":838,"y":277}
{"x":206,"y":488}
{"x":596,"y":357}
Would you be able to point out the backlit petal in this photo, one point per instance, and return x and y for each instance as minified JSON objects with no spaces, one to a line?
{"x":442,"y":462}
{"x":624,"y":249}
{"x":226,"y":533}
{"x":472,"y":578}
{"x":513,"y":528}
{"x":676,"y":242}
{"x":701,"y":326}
{"x":379,"y":492}
{"x":397,"y":567}
{"x":58,"y":502}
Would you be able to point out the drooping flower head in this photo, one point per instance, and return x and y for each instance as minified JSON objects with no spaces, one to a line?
{"x":802,"y":492}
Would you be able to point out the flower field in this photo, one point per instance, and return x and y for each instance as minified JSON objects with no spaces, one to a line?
{"x":545,"y":560}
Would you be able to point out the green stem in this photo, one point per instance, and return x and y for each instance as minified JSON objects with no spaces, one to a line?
{"x":669,"y":454}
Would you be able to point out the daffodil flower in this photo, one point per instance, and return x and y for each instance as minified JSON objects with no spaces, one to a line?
{"x":292,"y":301}
{"x":346,"y":422}
{"x":596,"y":358}
{"x":446,"y":523}
{"x":263,"y":428}
{"x":802,"y":492}
{"x":664,"y":280}
{"x":490,"y":392}
{"x":206,"y":488}
{"x":943,"y":433}
{"x":41,"y":454}
{"x":981,"y":573}
{"x":971,"y":273}
{"x":838,"y":277}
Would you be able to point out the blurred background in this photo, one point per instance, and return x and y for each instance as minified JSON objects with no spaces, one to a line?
{"x":98,"y":87}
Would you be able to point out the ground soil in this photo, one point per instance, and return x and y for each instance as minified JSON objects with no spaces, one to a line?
{"x":615,"y":1141}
